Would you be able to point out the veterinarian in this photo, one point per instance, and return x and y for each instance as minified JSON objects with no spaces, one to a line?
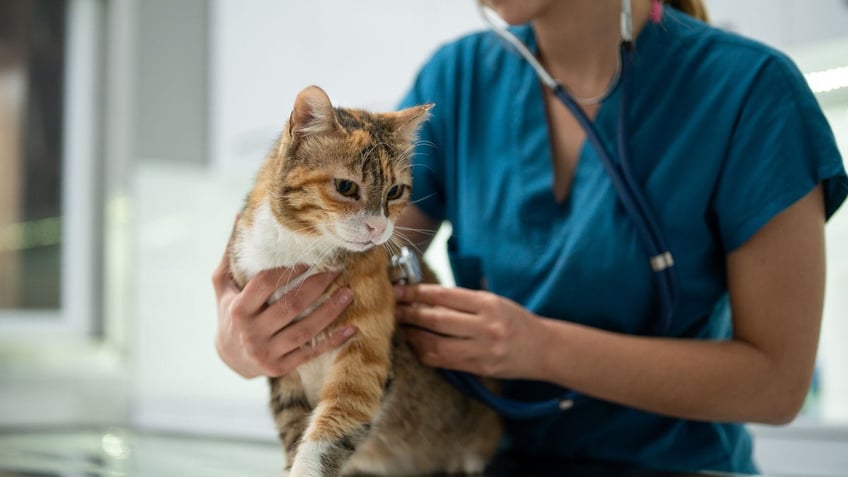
{"x":737,"y":164}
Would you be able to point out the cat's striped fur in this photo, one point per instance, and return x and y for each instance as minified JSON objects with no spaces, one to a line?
{"x":369,"y":407}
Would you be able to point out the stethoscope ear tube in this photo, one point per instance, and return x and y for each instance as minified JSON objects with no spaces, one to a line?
{"x":499,"y":27}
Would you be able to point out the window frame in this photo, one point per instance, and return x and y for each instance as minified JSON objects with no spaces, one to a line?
{"x":78,"y":318}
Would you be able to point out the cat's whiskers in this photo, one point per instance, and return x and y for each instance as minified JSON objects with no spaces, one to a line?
{"x":413,"y":229}
{"x":322,"y":261}
{"x":409,"y":151}
{"x":423,"y":166}
{"x":421,"y":199}
{"x":311,"y":246}
{"x":422,"y":142}
{"x":405,"y":168}
{"x":405,"y":157}
{"x":399,"y":235}
{"x":329,"y":251}
{"x":407,"y":154}
{"x":318,"y":243}
{"x":392,"y":247}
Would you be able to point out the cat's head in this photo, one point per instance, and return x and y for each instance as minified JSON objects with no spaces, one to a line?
{"x":345,"y":173}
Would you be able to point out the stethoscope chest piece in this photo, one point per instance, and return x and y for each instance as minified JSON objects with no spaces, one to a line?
{"x":405,"y":269}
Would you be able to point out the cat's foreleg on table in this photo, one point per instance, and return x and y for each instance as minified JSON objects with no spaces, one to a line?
{"x":350,"y":401}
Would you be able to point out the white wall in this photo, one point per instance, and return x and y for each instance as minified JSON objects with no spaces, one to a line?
{"x":833,"y":353}
{"x":363,"y":53}
{"x":783,"y":24}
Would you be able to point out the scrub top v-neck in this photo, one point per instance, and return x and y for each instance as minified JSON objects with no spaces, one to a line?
{"x":724,"y":134}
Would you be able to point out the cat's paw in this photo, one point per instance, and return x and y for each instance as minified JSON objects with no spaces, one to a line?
{"x":311,"y":461}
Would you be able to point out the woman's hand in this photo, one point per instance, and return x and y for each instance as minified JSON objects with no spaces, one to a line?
{"x":473,"y":331}
{"x":256,"y":339}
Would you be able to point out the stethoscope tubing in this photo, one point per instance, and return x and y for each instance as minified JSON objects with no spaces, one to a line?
{"x":627,"y":187}
{"x":632,"y":199}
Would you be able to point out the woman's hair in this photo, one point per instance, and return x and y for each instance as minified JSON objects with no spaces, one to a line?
{"x":694,"y":8}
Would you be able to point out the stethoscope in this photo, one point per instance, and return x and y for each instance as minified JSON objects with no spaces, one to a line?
{"x":636,"y":205}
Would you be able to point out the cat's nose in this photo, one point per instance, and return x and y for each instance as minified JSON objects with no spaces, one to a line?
{"x":376,"y":226}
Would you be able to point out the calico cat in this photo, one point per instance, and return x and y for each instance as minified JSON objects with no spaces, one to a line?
{"x":327,"y":196}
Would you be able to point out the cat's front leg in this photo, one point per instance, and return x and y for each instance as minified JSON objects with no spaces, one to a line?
{"x":350,"y":400}
{"x":291,"y":412}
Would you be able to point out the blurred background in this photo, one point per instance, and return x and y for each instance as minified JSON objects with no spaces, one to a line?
{"x":130,"y":131}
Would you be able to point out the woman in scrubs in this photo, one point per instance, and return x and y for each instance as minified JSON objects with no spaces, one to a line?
{"x":554,"y":290}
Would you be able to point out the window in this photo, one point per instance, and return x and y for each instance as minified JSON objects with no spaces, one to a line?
{"x":49,"y":64}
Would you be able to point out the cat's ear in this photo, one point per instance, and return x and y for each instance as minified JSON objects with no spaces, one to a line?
{"x":313,"y":113}
{"x":408,"y":120}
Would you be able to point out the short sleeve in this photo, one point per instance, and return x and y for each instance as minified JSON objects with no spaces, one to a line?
{"x":428,"y":161}
{"x":781,"y":148}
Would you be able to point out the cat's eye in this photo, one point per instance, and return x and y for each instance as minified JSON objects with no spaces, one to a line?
{"x":347,"y":188}
{"x":395,"y":192}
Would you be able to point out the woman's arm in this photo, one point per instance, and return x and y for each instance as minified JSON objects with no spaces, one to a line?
{"x":776,"y":286}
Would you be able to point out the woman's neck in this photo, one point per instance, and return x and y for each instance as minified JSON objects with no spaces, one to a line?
{"x":578,"y":41}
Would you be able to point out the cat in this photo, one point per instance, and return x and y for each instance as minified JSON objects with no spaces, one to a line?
{"x":327,"y":196}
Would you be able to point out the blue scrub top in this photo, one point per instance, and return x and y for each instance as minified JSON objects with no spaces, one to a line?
{"x":724,"y":134}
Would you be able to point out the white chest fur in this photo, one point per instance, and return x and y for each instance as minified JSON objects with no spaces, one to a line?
{"x":267,"y":244}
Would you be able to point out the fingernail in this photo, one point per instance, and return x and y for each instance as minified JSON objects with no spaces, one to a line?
{"x":344,"y":296}
{"x":348,"y":331}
